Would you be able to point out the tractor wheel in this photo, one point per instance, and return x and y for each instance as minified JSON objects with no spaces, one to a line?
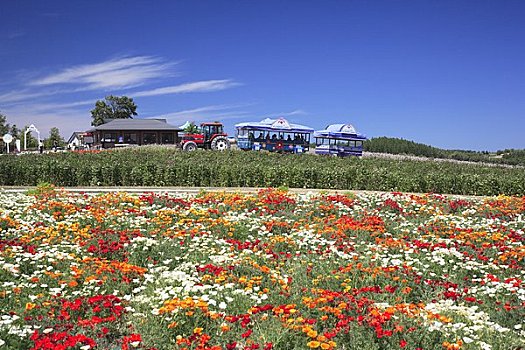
{"x":189,"y":146}
{"x":220,"y":143}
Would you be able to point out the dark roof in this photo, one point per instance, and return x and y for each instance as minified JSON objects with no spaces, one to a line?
{"x":212,"y":123}
{"x":137,"y":124}
{"x":76,"y":134}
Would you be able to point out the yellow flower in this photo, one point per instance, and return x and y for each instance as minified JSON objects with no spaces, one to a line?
{"x":313,"y":344}
{"x":312,"y":334}
{"x":321,"y":338}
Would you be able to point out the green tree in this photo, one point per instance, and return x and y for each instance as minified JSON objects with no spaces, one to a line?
{"x":192,"y":128}
{"x":4,"y":126}
{"x":14,"y":130}
{"x":113,"y":107}
{"x":54,"y":136}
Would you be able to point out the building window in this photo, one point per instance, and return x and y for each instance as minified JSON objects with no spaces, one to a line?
{"x":109,"y":137}
{"x":130,"y":138}
{"x":167,"y":138}
{"x":149,"y":138}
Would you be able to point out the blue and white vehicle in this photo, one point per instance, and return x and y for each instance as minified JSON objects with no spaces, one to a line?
{"x":340,"y":140}
{"x":274,"y":135}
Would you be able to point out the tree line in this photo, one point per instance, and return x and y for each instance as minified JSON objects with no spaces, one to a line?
{"x":394,"y":145}
{"x":54,"y":137}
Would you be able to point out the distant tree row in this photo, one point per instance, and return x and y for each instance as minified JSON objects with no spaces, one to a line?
{"x":513,"y":156}
{"x":401,"y":146}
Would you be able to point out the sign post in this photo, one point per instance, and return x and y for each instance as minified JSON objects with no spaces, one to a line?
{"x":7,"y":138}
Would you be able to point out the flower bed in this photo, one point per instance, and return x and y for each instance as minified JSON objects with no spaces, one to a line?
{"x":271,"y":270}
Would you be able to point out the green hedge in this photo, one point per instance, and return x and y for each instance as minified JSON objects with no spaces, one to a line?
{"x":169,"y":167}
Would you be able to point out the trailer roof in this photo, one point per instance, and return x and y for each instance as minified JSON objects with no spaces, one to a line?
{"x":341,"y":131}
{"x":279,"y":124}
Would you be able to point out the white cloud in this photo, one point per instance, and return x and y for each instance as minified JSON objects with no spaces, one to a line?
{"x":206,"y":113}
{"x":21,"y":95}
{"x":221,"y":112}
{"x":294,"y":112}
{"x":50,"y":107}
{"x":66,"y":120}
{"x":116,"y":73}
{"x":280,"y":114}
{"x":64,"y":98}
{"x":197,"y":86}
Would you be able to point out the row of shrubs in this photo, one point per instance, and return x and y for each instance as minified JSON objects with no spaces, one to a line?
{"x":394,"y":145}
{"x":170,"y":167}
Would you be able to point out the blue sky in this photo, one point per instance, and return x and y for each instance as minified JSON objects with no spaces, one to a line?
{"x":448,"y":73}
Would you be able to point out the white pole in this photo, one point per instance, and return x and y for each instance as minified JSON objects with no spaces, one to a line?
{"x":7,"y":147}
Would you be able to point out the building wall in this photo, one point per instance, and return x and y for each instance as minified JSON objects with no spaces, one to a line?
{"x":136,"y":137}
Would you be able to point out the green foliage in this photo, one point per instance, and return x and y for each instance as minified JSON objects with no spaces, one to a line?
{"x":401,"y":146}
{"x":192,"y":128}
{"x":513,"y":156}
{"x":168,"y":167}
{"x":14,"y":130}
{"x":54,"y":136}
{"x":113,"y":107}
{"x":42,"y":189}
{"x":6,"y":128}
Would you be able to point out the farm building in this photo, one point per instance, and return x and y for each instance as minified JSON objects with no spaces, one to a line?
{"x":79,"y":139}
{"x":120,"y":132}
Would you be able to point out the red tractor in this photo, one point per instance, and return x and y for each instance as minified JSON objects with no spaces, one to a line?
{"x":211,"y":136}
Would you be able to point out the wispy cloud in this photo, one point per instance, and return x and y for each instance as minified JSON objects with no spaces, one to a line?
{"x":118,"y":73}
{"x":65,"y":97}
{"x":280,"y":114}
{"x":206,"y":113}
{"x":15,"y":34}
{"x":294,"y":112}
{"x":197,"y":86}
{"x":205,"y":109}
{"x":44,"y":117}
{"x":21,"y":95}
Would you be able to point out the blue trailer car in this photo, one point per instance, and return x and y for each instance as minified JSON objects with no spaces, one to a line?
{"x":274,"y":135}
{"x":339,"y":140}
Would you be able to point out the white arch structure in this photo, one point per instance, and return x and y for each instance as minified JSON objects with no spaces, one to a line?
{"x":30,"y":129}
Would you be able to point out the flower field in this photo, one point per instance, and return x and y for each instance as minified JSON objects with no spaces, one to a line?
{"x":268,"y":270}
